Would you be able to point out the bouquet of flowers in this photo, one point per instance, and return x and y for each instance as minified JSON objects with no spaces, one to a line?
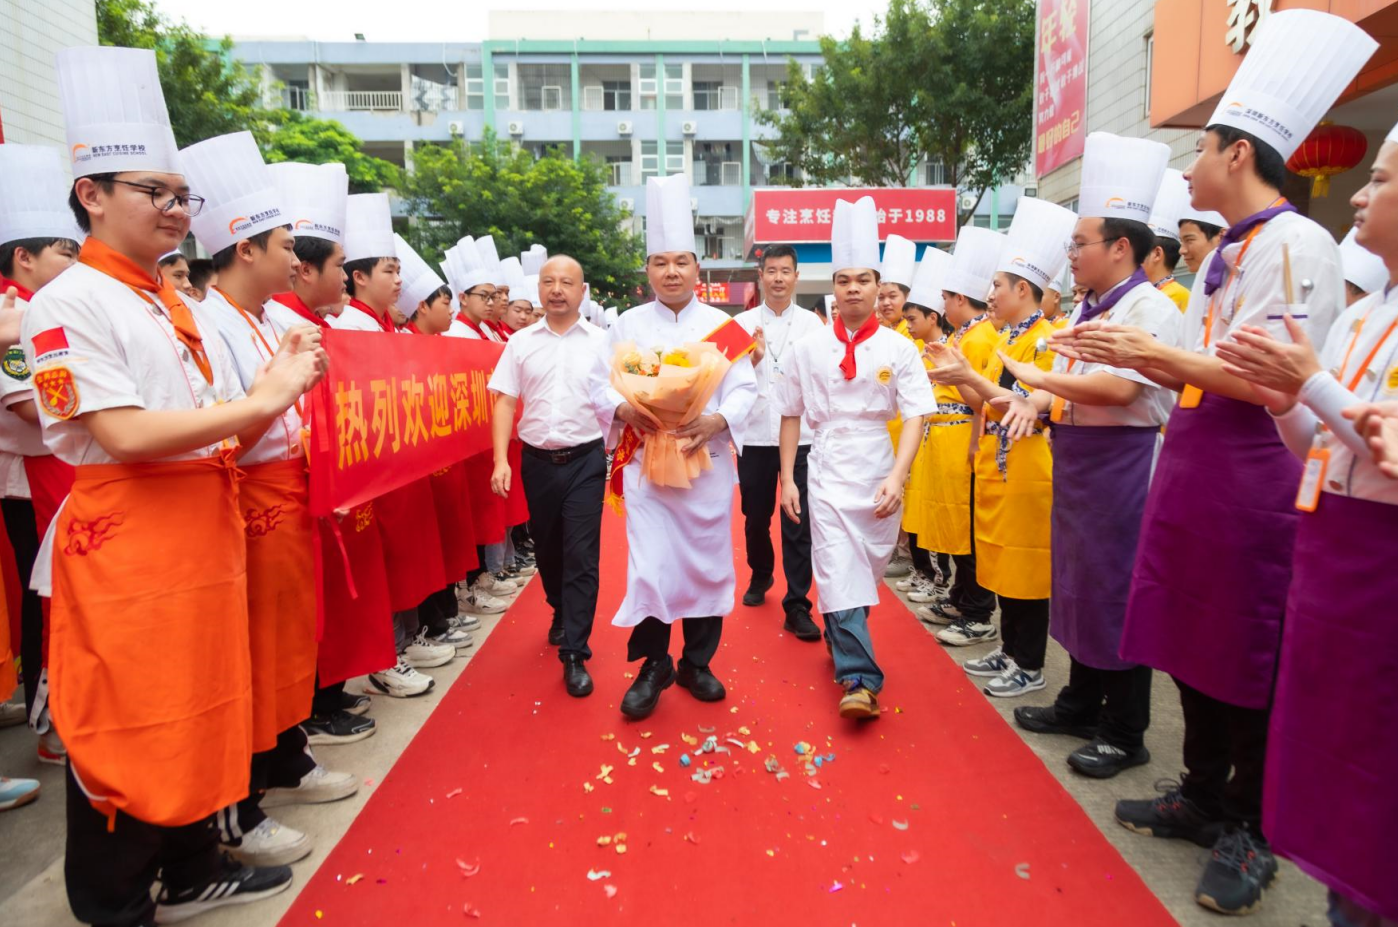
{"x":670,"y":388}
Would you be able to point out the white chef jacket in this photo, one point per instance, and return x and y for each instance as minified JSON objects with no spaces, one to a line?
{"x":18,"y":438}
{"x":282,"y":440}
{"x":562,"y":381}
{"x":354,"y":319}
{"x":763,"y":425}
{"x":460,"y":329}
{"x":1143,"y":307}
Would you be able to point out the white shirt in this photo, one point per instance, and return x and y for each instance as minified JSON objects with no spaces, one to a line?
{"x":1351,"y":470}
{"x":889,"y":380}
{"x":561,"y":381}
{"x":18,"y":438}
{"x":460,"y":329}
{"x":763,"y":426}
{"x":1143,"y":307}
{"x":122,"y":352}
{"x":250,"y":350}
{"x":354,"y":319}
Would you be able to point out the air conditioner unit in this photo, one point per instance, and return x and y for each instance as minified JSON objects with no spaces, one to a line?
{"x":626,"y":203}
{"x":624,"y":127}
{"x":516,"y":127}
{"x":1030,"y":191}
{"x":456,"y":127}
{"x":689,"y":127}
{"x":968,"y":200}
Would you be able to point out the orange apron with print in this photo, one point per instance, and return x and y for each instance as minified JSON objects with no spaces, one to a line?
{"x":149,"y":673}
{"x":273,"y":498}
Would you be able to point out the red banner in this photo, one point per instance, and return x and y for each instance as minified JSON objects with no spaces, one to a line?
{"x":393,"y":409}
{"x":1060,"y":84}
{"x":803,"y":215}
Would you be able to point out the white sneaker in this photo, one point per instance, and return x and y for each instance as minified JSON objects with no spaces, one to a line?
{"x":318,"y":786}
{"x":924,"y":591}
{"x":497,"y":585}
{"x":51,"y":749}
{"x":271,"y":844}
{"x":402,"y":681}
{"x":12,"y":713}
{"x":909,"y":581}
{"x":424,"y":653}
{"x":1015,"y":682}
{"x":465,"y":622}
{"x":898,"y":566}
{"x":966,"y":633}
{"x":479,"y":601}
{"x":454,"y":638}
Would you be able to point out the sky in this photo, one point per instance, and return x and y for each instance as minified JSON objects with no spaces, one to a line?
{"x":433,"y":20}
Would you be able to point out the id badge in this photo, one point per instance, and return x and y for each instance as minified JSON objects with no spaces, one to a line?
{"x":1312,"y":478}
{"x":1191,"y":397}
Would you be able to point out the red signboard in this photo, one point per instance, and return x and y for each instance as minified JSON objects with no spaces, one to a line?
{"x":1060,"y":84}
{"x":802,"y":215}
{"x":711,"y":293}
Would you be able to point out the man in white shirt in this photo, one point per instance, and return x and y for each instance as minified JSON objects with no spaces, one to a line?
{"x":556,"y":369}
{"x":777,"y":324}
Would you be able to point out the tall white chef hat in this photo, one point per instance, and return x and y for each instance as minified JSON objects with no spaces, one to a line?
{"x":419,"y":280}
{"x":973,"y":262}
{"x":490,"y":260}
{"x":1171,"y":200}
{"x":1362,"y":267}
{"x":1062,"y":282}
{"x":531,"y":286}
{"x":368,"y":227}
{"x":669,"y":216}
{"x":34,"y":194}
{"x":534,"y":259}
{"x":931,"y":275}
{"x":513,"y":274}
{"x":315,"y":196}
{"x":1034,"y":245}
{"x":1299,"y":63}
{"x":854,"y":235}
{"x":899,"y":260}
{"x":1120,"y":176}
{"x":240,"y":199}
{"x":1209,"y":216}
{"x":474,"y":269}
{"x":114,"y":111}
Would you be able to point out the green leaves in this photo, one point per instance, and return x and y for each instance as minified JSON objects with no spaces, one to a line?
{"x":294,"y":136}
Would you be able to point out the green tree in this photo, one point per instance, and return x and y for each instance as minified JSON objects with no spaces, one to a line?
{"x":495,"y":188}
{"x":294,"y":136}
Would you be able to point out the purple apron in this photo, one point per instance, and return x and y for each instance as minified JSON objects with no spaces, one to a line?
{"x":1329,"y":801}
{"x":1209,"y":588}
{"x":1100,"y":480}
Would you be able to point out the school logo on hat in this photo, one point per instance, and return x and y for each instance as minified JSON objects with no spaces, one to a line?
{"x":57,"y":391}
{"x":14,"y":364}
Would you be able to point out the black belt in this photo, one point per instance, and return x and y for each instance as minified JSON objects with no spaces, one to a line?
{"x":563,"y":455}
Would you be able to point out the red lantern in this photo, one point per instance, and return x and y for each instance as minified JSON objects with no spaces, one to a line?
{"x":1328,"y":151}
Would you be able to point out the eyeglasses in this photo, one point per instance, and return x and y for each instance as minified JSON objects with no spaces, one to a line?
{"x":191,"y":204}
{"x":1073,"y":247}
{"x":483,"y":297}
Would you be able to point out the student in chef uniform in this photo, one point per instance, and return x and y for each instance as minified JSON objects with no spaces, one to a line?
{"x":1106,"y":431}
{"x":140,"y":394}
{"x":1209,"y":587}
{"x":848,"y":381}
{"x":899,"y":265}
{"x":951,"y":438}
{"x":175,"y":267}
{"x":246,"y":228}
{"x":1364,"y":270}
{"x":38,"y":241}
{"x":1171,"y":200}
{"x":776,"y":324}
{"x":1055,"y":312}
{"x":1324,"y":741}
{"x":514,"y":306}
{"x":679,"y":541}
{"x":1014,"y":478}
{"x":490,"y":258}
{"x":1200,"y":231}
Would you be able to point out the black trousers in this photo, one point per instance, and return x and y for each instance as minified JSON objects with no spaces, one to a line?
{"x":109,"y":874}
{"x":759,"y":475}
{"x":967,"y":595}
{"x":327,"y":699}
{"x":1024,"y":626}
{"x":282,"y":767}
{"x":1116,"y":701}
{"x":1219,"y":737}
{"x":24,"y":538}
{"x":930,"y":563}
{"x":437,"y":610}
{"x":650,"y":640}
{"x":565,"y":522}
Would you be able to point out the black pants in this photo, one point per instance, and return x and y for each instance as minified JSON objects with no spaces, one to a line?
{"x":24,"y":538}
{"x":282,"y":767}
{"x":565,"y":521}
{"x":109,"y":874}
{"x":327,"y":699}
{"x":1219,"y":737}
{"x":650,"y":640}
{"x":967,"y":595}
{"x":759,"y":475}
{"x":437,"y":610}
{"x":934,"y":565}
{"x":1117,"y":702}
{"x":1024,"y":626}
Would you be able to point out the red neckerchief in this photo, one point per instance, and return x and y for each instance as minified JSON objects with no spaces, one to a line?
{"x":412,"y":328}
{"x":470,"y":323}
{"x":298,"y":306}
{"x":383,"y":321}
{"x":866,"y":331}
{"x":24,"y":292}
{"x":502,"y":330}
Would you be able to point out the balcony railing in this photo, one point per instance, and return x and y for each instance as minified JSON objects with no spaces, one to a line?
{"x":341,"y":101}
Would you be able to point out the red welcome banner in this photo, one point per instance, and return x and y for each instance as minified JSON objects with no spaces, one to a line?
{"x":394,"y":409}
{"x":1060,"y":84}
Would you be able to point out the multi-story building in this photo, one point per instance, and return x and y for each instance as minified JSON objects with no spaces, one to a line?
{"x":31,"y":34}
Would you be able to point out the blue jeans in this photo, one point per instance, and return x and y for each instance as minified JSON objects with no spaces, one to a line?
{"x":853,"y":650}
{"x":1346,"y":913}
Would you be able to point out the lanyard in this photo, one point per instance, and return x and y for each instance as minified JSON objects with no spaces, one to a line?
{"x":1354,"y":340}
{"x":1234,"y":271}
{"x":252,"y":323}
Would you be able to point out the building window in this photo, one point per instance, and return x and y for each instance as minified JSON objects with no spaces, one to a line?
{"x":706,"y":94}
{"x":650,"y":160}
{"x":649,"y":86}
{"x":616,"y":95}
{"x":936,"y":173}
{"x":674,"y":86}
{"x":1150,"y":69}
{"x":475,"y":88}
{"x":546,"y":87}
{"x":297,"y":95}
{"x":502,"y":86}
{"x":620,"y":167}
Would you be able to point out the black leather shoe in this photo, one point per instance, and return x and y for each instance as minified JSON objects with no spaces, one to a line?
{"x":655,"y":677}
{"x":1101,"y":760}
{"x":575,"y":677}
{"x":556,"y":634}
{"x":801,"y":626}
{"x":757,"y":590}
{"x":1048,"y":721}
{"x":701,"y":683}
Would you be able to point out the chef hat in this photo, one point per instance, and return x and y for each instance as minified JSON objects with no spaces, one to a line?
{"x":1392,"y":134}
{"x":490,"y":260}
{"x":534,"y":259}
{"x":1120,"y":176}
{"x":854,"y":235}
{"x":899,"y":261}
{"x":513,"y":274}
{"x":368,"y":227}
{"x":114,"y":111}
{"x":973,"y":262}
{"x":419,"y":280}
{"x":1062,"y":277}
{"x":314,"y":196}
{"x":34,"y":194}
{"x":1171,"y":200}
{"x":669,"y":216}
{"x":1034,"y":246}
{"x":1362,"y":267}
{"x":829,"y":303}
{"x":1299,"y":63}
{"x":474,"y":270}
{"x":1207,"y":216}
{"x":610,"y":316}
{"x":240,"y":199}
{"x":531,"y":284}
{"x":931,"y":275}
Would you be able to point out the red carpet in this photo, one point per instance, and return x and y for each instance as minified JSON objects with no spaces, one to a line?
{"x":936,"y":814}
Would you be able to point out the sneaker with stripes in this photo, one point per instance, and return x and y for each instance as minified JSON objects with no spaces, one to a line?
{"x":236,"y":884}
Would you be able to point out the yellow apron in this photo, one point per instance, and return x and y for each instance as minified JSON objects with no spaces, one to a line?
{"x":895,"y":424}
{"x":1014,"y":486}
{"x":919,"y":474}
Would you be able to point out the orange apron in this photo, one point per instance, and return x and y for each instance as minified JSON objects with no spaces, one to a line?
{"x":281,"y":596}
{"x":412,"y":546}
{"x":149,"y":672}
{"x":454,"y":521}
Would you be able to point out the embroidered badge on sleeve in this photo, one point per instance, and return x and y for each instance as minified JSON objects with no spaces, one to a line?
{"x":57,"y":392}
